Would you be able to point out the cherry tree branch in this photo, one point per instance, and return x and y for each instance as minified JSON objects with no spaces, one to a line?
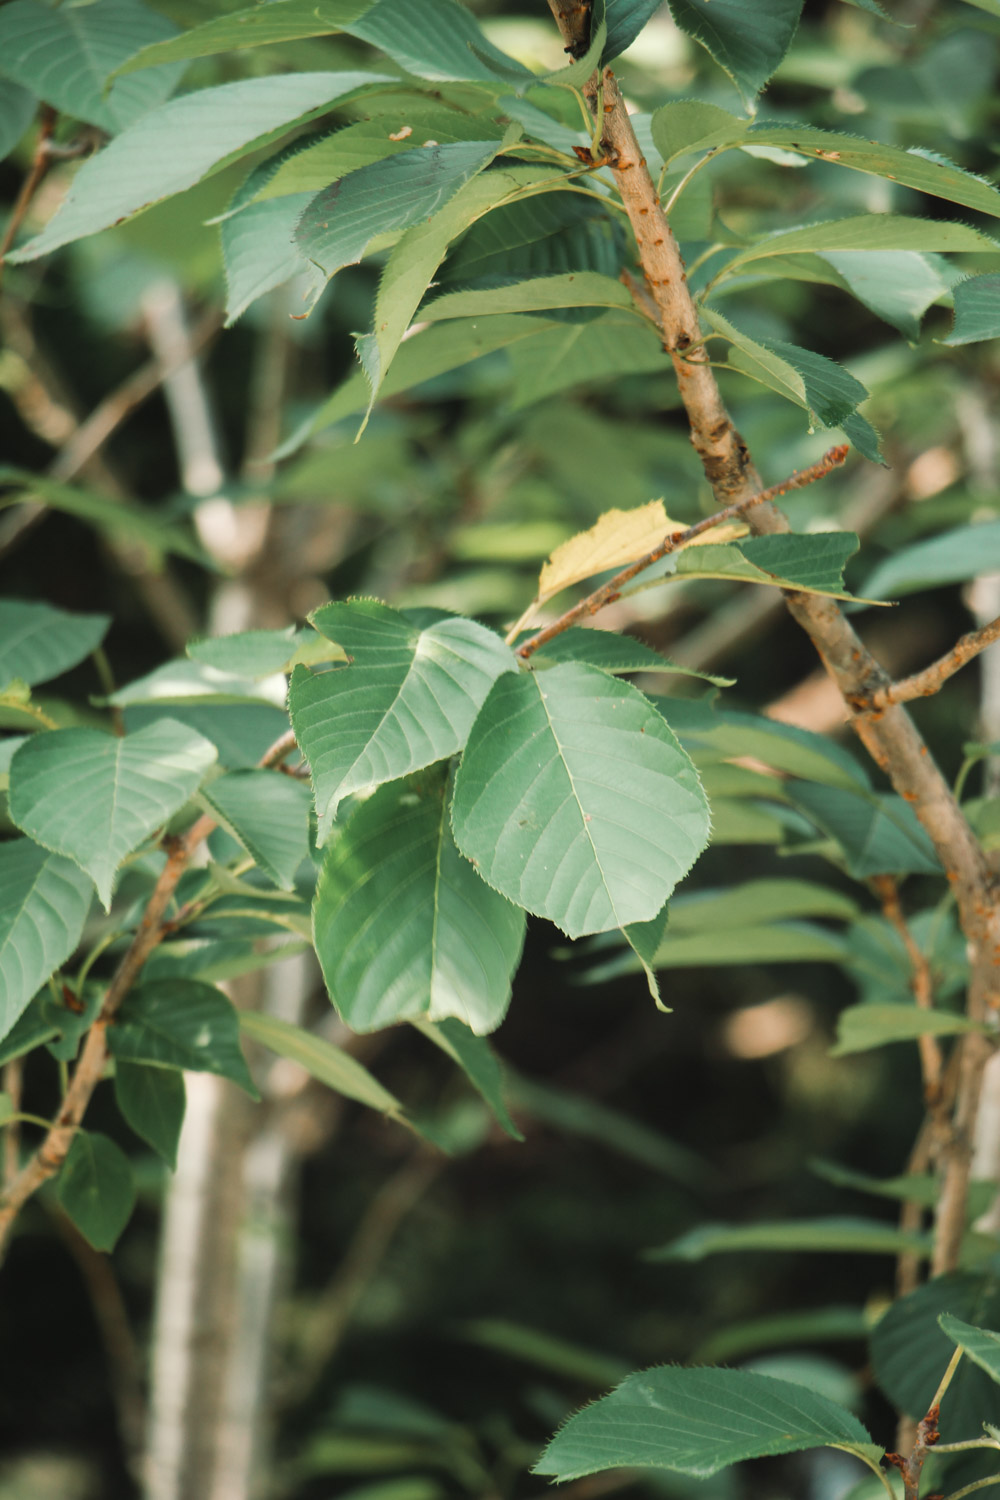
{"x":933,"y":678}
{"x":609,"y":592}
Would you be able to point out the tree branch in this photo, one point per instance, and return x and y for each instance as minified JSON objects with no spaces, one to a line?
{"x":933,"y":678}
{"x":889,"y":735}
{"x":610,"y":591}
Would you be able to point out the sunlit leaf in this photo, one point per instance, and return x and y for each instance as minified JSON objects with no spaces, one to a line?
{"x":981,"y":1345}
{"x":862,"y":1027}
{"x":747,"y":41}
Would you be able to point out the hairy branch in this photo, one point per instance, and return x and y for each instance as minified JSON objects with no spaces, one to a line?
{"x":889,"y":735}
{"x":610,"y":591}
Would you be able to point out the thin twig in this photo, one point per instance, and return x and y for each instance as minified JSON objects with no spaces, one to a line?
{"x":40,"y":163}
{"x":921,"y":984}
{"x":933,"y":678}
{"x":152,"y":929}
{"x":610,"y":591}
{"x":12,"y":1081}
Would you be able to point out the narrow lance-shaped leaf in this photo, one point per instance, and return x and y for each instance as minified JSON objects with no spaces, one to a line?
{"x":476,"y":1058}
{"x":950,"y":557}
{"x":95,"y":797}
{"x":96,"y":1188}
{"x":699,"y":1421}
{"x":404,"y":928}
{"x":179,"y":143}
{"x":862,"y":1027}
{"x":329,"y":1064}
{"x":38,"y":642}
{"x":575,"y":800}
{"x":181,"y":1023}
{"x":866,"y":232}
{"x":408,"y":698}
{"x":826,"y":1236}
{"x":258,"y":26}
{"x":438,"y":39}
{"x":44,"y":901}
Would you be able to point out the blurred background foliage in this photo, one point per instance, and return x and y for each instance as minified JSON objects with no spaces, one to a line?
{"x":441,"y":1314}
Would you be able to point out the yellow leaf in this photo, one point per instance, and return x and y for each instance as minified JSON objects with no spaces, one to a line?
{"x":617,"y":538}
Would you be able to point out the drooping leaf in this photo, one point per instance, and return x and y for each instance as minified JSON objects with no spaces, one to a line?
{"x":981,"y":1345}
{"x":258,"y":26}
{"x":113,"y":518}
{"x":180,"y":142}
{"x":38,"y":642}
{"x":645,"y":938}
{"x":897,"y":285}
{"x":575,"y":800}
{"x":747,"y":41}
{"x":152,"y":1101}
{"x":832,"y":1236}
{"x":699,"y":1421}
{"x":866,"y":233}
{"x":977,"y":310}
{"x":66,"y":54}
{"x":340,"y":223}
{"x":862,"y":1027}
{"x":878,"y":832}
{"x":404,"y":928}
{"x":478,"y":1062}
{"x":44,"y":901}
{"x":269,"y":815}
{"x":96,"y":797}
{"x":96,"y":1188}
{"x":181,"y":1023}
{"x":616,"y":653}
{"x":625,"y":19}
{"x":329,"y":1064}
{"x":408,"y":698}
{"x":951,"y":557}
{"x":17,"y":110}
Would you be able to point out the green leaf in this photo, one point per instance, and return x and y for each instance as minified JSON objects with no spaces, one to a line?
{"x":812,"y":562}
{"x":878,"y":832}
{"x":897,"y":285}
{"x":259,"y":26}
{"x":553,"y":1355}
{"x":340,"y":223}
{"x":644,"y":938}
{"x":261,"y":653}
{"x":96,"y":1189}
{"x":403,"y":926}
{"x":478,"y":1062}
{"x":544,"y":235}
{"x":408,"y":698}
{"x":96,"y":797}
{"x":981,"y":1345}
{"x":763,"y":943}
{"x":195,"y":682}
{"x":32,"y":1029}
{"x":114,"y":518}
{"x":437,"y":40}
{"x":699,"y":1421}
{"x":269,"y":815}
{"x":757,"y":901}
{"x":862,"y":1027}
{"x":321,"y":1059}
{"x":910,"y":1351}
{"x":833,"y":1236}
{"x":615,"y":653}
{"x":417,"y":256}
{"x":259,"y":253}
{"x":813,"y":1326}
{"x":747,"y":41}
{"x":866,"y":232}
{"x":625,"y":19}
{"x":575,"y":289}
{"x":595,"y":351}
{"x":179,"y":143}
{"x":152,"y":1101}
{"x":17,"y":110}
{"x":44,"y":901}
{"x":785,"y":747}
{"x":911,"y":1187}
{"x":575,"y":800}
{"x":65,"y":56}
{"x":977,"y":310}
{"x":181,"y":1023}
{"x":38,"y":642}
{"x":951,"y":557}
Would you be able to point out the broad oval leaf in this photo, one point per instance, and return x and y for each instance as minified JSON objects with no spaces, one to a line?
{"x":329,"y":1064}
{"x":409,"y":697}
{"x":616,"y":653}
{"x":269,"y":815}
{"x":437,"y":39}
{"x":38,"y":642}
{"x":404,"y":928}
{"x":575,"y":800}
{"x":174,"y":146}
{"x":66,"y":53}
{"x":152,"y":1101}
{"x":181,"y":1023}
{"x":44,"y":901}
{"x":748,"y":41}
{"x":95,"y":797}
{"x":96,"y":1188}
{"x":698,"y":1421}
{"x":862,"y":1027}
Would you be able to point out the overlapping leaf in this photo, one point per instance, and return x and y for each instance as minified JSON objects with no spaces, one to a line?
{"x":950,"y":557}
{"x":866,"y":232}
{"x":616,"y":653}
{"x":575,"y":800}
{"x":329,"y":1064}
{"x":625,"y":19}
{"x":574,"y":289}
{"x":95,"y":797}
{"x":408,"y":698}
{"x":437,"y":40}
{"x":65,"y":54}
{"x":96,"y":1188}
{"x":44,"y":901}
{"x":699,"y":1421}
{"x":260,"y":653}
{"x":982,"y":1345}
{"x":181,"y":1023}
{"x":269,"y":815}
{"x":977,"y":310}
{"x":38,"y":642}
{"x":878,"y":833}
{"x":258,"y":26}
{"x":404,"y":928}
{"x":478,"y":1062}
{"x":177,"y":144}
{"x":152,"y":1101}
{"x":747,"y":41}
{"x":17,"y":110}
